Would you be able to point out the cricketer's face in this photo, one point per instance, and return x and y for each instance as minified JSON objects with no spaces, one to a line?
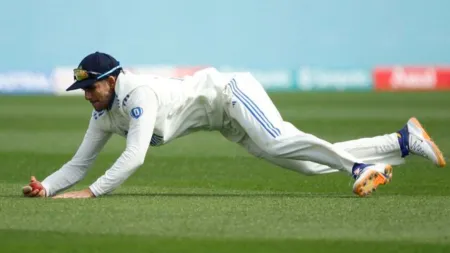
{"x":100,"y":93}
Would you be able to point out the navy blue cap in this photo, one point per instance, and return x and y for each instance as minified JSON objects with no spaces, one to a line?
{"x":99,"y":66}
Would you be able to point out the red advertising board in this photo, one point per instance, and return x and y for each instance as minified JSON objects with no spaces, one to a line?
{"x":412,"y":78}
{"x":187,"y":71}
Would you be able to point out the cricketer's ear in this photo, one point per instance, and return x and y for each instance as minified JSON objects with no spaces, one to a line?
{"x":111,"y":81}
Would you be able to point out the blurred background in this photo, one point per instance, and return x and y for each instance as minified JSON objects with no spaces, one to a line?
{"x":338,"y":69}
{"x":288,"y":44}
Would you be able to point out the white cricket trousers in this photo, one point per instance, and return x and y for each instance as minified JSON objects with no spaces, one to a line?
{"x":268,"y":136}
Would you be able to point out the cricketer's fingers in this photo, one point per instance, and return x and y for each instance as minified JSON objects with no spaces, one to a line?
{"x":41,"y":194}
{"x":34,"y":193}
{"x":27,"y":190}
{"x":34,"y":188}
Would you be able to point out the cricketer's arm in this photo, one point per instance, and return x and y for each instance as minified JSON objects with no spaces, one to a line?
{"x":141,"y":111}
{"x":75,"y":170}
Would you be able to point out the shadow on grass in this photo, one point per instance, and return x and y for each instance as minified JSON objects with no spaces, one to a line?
{"x":214,"y":195}
{"x":233,"y":195}
{"x":323,"y":195}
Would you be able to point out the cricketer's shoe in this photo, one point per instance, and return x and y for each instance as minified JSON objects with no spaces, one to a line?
{"x":413,"y":138}
{"x":369,"y":177}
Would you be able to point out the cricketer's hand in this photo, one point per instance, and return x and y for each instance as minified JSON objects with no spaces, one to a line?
{"x":34,"y":189}
{"x":83,"y":194}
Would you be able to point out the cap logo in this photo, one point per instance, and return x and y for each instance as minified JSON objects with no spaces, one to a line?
{"x":80,"y":74}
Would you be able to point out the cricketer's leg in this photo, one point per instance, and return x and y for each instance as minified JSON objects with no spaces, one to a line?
{"x":388,"y":149}
{"x":379,"y":149}
{"x":254,"y":111}
{"x":393,"y":148}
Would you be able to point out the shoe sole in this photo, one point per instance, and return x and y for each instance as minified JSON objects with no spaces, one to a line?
{"x":372,"y":180}
{"x":436,"y":150}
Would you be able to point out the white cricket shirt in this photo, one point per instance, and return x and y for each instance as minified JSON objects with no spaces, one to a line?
{"x":148,"y":111}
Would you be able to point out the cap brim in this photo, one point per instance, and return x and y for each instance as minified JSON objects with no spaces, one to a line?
{"x":81,"y":84}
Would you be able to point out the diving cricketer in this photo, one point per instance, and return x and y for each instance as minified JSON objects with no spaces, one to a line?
{"x":150,"y":111}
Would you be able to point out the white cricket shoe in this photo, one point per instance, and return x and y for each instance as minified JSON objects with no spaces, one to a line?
{"x":369,"y":177}
{"x":420,"y":143}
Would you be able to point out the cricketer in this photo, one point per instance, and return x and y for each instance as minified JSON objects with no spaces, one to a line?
{"x":153,"y":111}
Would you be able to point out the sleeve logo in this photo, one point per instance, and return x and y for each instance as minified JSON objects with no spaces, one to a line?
{"x":136,"y":112}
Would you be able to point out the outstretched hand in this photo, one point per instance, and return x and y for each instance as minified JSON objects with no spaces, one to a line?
{"x":34,"y":189}
{"x":83,"y":194}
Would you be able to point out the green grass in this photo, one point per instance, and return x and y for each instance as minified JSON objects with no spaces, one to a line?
{"x":204,"y":194}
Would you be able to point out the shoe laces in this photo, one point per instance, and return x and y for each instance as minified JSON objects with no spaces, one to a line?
{"x":417,"y":147}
